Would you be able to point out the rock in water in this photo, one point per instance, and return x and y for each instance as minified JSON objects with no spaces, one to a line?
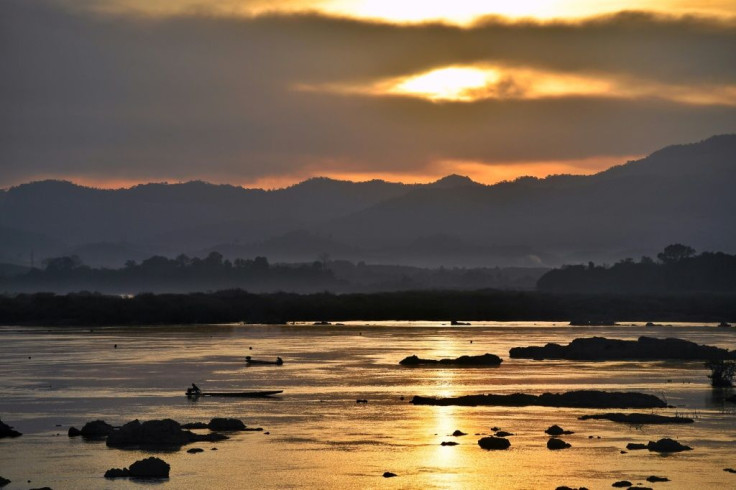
{"x":667,"y":445}
{"x":97,"y":429}
{"x":622,"y":483}
{"x":462,"y":361}
{"x":556,"y":430}
{"x":494,"y":443}
{"x":654,"y":479}
{"x":459,"y":433}
{"x":634,"y":446}
{"x":638,"y":418}
{"x":388,"y":474}
{"x":3,"y":481}
{"x":603,"y":349}
{"x":572,"y":399}
{"x":165,"y":432}
{"x":226,"y":424}
{"x":555,"y":444}
{"x":117,"y":473}
{"x":8,"y":431}
{"x":150,"y":468}
{"x":74,"y":432}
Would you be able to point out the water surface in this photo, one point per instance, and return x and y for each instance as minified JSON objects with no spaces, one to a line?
{"x":319,"y":437}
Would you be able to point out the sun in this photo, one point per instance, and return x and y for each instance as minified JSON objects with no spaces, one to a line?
{"x":454,"y":83}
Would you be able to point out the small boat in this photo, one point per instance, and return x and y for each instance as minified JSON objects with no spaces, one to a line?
{"x":233,"y":394}
{"x":250,"y":361}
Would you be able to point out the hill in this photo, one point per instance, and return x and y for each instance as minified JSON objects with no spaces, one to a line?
{"x":681,"y":193}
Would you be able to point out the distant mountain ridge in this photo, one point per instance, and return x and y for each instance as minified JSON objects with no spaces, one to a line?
{"x":681,"y":193}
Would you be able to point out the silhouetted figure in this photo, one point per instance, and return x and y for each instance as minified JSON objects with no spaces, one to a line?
{"x":279,"y":361}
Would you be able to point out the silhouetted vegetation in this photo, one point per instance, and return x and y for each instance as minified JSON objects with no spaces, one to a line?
{"x":678,"y":270}
{"x":185,"y":274}
{"x":722,"y":372}
{"x":239,"y":306}
{"x":181,"y":274}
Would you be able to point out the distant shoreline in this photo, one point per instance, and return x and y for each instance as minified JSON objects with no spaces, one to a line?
{"x":232,"y":306}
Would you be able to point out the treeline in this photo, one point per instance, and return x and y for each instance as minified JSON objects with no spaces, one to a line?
{"x":181,"y":274}
{"x":88,"y":309}
{"x":185,"y":274}
{"x":677,"y":270}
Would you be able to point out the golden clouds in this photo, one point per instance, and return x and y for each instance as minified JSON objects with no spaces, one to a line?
{"x":471,"y":83}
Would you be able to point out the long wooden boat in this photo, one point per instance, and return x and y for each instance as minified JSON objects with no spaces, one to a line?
{"x":234,"y":394}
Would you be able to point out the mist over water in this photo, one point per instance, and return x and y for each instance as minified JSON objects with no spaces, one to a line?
{"x":320,"y":437}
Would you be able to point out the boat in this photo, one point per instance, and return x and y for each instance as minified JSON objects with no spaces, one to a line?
{"x":232,"y":394}
{"x":250,"y":361}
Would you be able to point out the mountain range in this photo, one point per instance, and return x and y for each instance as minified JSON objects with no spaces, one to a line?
{"x":682,"y":193}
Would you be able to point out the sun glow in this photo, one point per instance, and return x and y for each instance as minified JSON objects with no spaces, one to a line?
{"x":471,"y":83}
{"x":452,"y":83}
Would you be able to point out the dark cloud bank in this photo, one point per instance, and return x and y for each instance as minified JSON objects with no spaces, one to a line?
{"x":118,"y":97}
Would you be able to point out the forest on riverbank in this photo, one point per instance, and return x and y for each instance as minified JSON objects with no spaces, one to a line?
{"x":240,"y":306}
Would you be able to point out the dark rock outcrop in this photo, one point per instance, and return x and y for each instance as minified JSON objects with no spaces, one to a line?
{"x":117,"y":473}
{"x":3,"y":481}
{"x":97,"y":429}
{"x":388,"y":474}
{"x":74,"y":432}
{"x":459,"y":433}
{"x":494,"y":443}
{"x":729,"y":470}
{"x":503,"y":433}
{"x":603,"y":349}
{"x":166,"y":433}
{"x":622,"y":483}
{"x":195,"y":425}
{"x":572,"y":399}
{"x":224,"y":424}
{"x":635,"y":446}
{"x":655,"y":479}
{"x":448,"y":443}
{"x":462,"y":361}
{"x":638,"y":418}
{"x":556,"y":430}
{"x":150,"y":468}
{"x":8,"y":431}
{"x":667,"y":445}
{"x":195,"y":450}
{"x":555,"y":444}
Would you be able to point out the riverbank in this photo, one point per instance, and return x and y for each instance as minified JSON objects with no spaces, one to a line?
{"x":232,"y":306}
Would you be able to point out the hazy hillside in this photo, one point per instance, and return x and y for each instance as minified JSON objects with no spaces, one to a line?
{"x":681,"y":193}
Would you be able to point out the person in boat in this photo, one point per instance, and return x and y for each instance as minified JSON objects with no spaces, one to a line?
{"x":194,"y":390}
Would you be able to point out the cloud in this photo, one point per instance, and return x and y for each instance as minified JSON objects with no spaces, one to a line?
{"x":207,"y":96}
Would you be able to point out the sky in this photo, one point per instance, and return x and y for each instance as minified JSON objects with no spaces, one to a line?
{"x":260,"y":93}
